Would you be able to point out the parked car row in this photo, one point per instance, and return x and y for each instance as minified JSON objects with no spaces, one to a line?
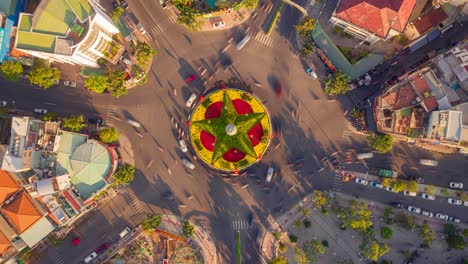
{"x":440,"y":216}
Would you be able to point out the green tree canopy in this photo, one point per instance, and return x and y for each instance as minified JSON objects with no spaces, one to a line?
{"x":151,"y":223}
{"x":300,"y":256}
{"x":412,"y":186}
{"x":124,"y":175}
{"x":279,"y":260}
{"x":456,"y":242}
{"x":399,"y":186}
{"x":319,"y":199}
{"x":312,"y":249}
{"x":383,"y":143}
{"x":116,"y":83}
{"x":96,"y":83}
{"x":50,"y":116}
{"x":188,"y":17}
{"x":427,"y":234}
{"x":305,"y":27}
{"x":143,"y":52}
{"x":117,"y":13}
{"x":74,"y":123}
{"x":358,"y":217}
{"x":108,"y":135}
{"x":374,"y":250}
{"x":43,"y":75}
{"x":337,"y":84}
{"x":250,"y":4}
{"x":386,"y":232}
{"x":187,"y":229}
{"x":11,"y":70}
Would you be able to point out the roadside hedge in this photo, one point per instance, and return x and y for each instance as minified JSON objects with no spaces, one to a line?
{"x":275,"y":17}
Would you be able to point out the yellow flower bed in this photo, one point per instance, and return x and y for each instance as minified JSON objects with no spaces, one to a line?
{"x":199,"y":114}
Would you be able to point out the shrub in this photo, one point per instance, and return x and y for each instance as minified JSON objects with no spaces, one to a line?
{"x":108,"y":135}
{"x":282,"y":247}
{"x":275,"y":17}
{"x":292,"y":238}
{"x":307,"y":224}
{"x":325,"y":243}
{"x":386,"y":232}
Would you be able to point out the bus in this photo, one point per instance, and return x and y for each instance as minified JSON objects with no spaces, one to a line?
{"x":242,"y":43}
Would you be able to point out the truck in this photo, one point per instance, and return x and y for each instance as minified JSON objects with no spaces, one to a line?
{"x":384,"y":173}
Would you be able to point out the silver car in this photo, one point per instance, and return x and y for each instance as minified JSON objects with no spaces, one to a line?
{"x":188,"y":164}
{"x":454,"y":201}
{"x":90,"y":257}
{"x":413,"y":209}
{"x":361,"y":181}
{"x":426,"y":213}
{"x":183,"y":146}
{"x":427,"y":196}
{"x":191,"y":100}
{"x":441,"y":216}
{"x":456,"y":185}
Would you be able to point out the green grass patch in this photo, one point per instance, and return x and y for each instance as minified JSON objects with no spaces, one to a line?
{"x":275,"y":17}
{"x":238,"y":248}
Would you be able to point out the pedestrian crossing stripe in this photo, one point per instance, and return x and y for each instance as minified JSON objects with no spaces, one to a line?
{"x":241,"y":225}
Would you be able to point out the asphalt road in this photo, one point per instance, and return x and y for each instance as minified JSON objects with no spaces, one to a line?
{"x":218,"y":204}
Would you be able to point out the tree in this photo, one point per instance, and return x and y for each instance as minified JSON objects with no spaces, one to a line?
{"x":116,"y":83}
{"x":304,"y":211}
{"x":337,"y":84}
{"x":96,"y":83}
{"x":357,"y":217}
{"x":307,"y":224}
{"x":300,"y":256}
{"x":306,"y":50}
{"x":374,"y":250}
{"x":431,"y":190}
{"x":74,"y":123}
{"x":143,"y":52}
{"x":386,"y":182}
{"x":124,"y":175}
{"x":151,"y":223}
{"x":319,"y":199}
{"x":292,"y":238}
{"x":187,"y":229}
{"x":117,"y":13}
{"x":305,"y":27}
{"x":399,"y":186}
{"x":279,"y":260}
{"x":456,"y":242}
{"x":108,"y":135}
{"x":43,"y":75}
{"x":188,"y":17}
{"x":312,"y":249}
{"x":282,"y":247}
{"x":250,"y":4}
{"x":406,"y":221}
{"x":463,"y":196}
{"x":412,"y":186}
{"x":383,"y":143}
{"x":11,"y":70}
{"x":427,"y":234}
{"x":50,"y":116}
{"x":386,"y":232}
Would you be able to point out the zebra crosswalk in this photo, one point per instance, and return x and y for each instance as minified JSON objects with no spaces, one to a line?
{"x":337,"y":183}
{"x":241,"y":225}
{"x":160,"y":27}
{"x":133,"y":201}
{"x":111,"y":115}
{"x":54,"y":256}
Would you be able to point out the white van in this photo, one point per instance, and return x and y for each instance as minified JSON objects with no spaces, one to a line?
{"x":365,"y":155}
{"x":243,"y":42}
{"x":133,"y":123}
{"x":124,"y":232}
{"x":270,"y":174}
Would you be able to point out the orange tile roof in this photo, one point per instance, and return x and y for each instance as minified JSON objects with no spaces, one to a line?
{"x":22,"y":212}
{"x":8,"y":186}
{"x":424,"y":92}
{"x":376,"y":16}
{"x":5,"y":244}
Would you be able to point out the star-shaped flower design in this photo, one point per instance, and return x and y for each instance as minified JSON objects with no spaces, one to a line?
{"x":230,"y":129}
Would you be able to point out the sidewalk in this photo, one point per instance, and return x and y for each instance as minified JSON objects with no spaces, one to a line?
{"x":231,"y":19}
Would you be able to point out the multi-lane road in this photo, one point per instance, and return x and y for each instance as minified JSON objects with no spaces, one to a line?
{"x":220,"y":205}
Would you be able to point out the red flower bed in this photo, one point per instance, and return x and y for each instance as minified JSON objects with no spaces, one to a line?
{"x":242,"y":107}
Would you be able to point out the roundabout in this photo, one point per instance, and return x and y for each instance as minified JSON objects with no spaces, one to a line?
{"x":230,"y":129}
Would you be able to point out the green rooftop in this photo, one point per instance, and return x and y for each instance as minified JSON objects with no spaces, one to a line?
{"x":35,"y":41}
{"x":55,"y":18}
{"x":25,"y":22}
{"x":81,"y":8}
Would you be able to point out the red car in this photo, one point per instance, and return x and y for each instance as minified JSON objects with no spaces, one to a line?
{"x":190,"y":79}
{"x":279,"y":89}
{"x":102,"y":248}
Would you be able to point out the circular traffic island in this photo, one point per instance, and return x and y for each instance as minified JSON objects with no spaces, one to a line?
{"x":230,"y":129}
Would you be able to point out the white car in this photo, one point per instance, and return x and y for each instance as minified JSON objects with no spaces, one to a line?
{"x":456,"y":185}
{"x":40,"y":111}
{"x":454,"y":201}
{"x":408,"y":193}
{"x":365,"y":155}
{"x":3,"y":103}
{"x":453,"y":219}
{"x":188,"y":164}
{"x":183,"y":146}
{"x":191,"y":100}
{"x":426,"y":213}
{"x":442,"y":216}
{"x":390,"y":189}
{"x":270,"y":173}
{"x":465,"y":203}
{"x":415,"y":210}
{"x":361,"y":181}
{"x":69,"y":83}
{"x":428,"y":162}
{"x":133,"y":123}
{"x":427,"y":196}
{"x":376,"y":185}
{"x":219,"y":24}
{"x":90,"y":258}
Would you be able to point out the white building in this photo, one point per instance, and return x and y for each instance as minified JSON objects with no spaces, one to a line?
{"x":68,"y":31}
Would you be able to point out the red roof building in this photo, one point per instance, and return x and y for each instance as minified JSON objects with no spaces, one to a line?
{"x":372,"y":20}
